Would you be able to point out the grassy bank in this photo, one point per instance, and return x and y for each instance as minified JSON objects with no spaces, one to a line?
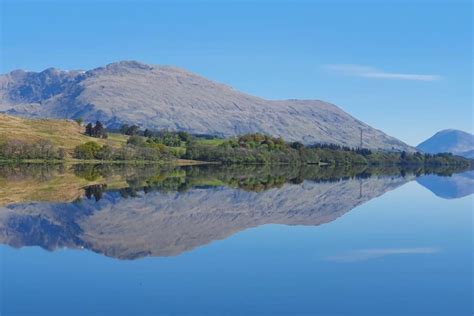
{"x":176,"y":162}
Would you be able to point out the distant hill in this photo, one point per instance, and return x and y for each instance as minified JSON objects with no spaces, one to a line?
{"x":66,"y":134}
{"x":159,"y":97}
{"x":449,"y":140}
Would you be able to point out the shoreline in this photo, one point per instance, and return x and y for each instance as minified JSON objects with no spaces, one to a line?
{"x":177,"y":162}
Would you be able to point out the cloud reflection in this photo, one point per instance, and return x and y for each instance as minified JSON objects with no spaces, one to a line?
{"x":366,"y":254}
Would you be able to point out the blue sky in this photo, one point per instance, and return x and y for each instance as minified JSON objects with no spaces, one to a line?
{"x":404,"y":67}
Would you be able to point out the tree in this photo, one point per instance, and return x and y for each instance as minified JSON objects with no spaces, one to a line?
{"x":130,"y":130}
{"x":45,"y":149}
{"x":89,"y":129}
{"x":297,"y":145}
{"x":133,"y":130}
{"x":99,"y":130}
{"x":184,"y":136}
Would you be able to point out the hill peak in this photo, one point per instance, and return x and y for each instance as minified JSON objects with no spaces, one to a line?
{"x":449,"y":140}
{"x":453,"y":131}
{"x":129,"y":64}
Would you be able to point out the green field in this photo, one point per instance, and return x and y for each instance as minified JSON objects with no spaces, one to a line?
{"x":213,"y":142}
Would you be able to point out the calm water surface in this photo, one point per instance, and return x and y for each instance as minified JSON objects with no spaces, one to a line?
{"x":198,"y":242}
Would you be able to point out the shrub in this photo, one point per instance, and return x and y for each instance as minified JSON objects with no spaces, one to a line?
{"x":87,"y":150}
{"x":105,"y":153}
{"x":136,"y":141}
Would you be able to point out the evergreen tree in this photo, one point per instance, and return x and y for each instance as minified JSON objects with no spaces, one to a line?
{"x":99,"y":130}
{"x":133,"y":130}
{"x":89,"y":129}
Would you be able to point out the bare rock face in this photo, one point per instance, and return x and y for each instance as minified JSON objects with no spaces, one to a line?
{"x":159,"y":97}
{"x":169,"y":223}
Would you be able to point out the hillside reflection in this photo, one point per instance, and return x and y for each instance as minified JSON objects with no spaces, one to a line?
{"x":129,"y":212}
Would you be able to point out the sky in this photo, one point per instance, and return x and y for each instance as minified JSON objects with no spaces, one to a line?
{"x":404,"y":67}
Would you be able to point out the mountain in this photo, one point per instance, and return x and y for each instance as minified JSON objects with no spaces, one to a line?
{"x":159,"y":97}
{"x":449,"y":140}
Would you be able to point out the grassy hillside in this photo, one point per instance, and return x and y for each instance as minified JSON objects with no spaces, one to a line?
{"x":66,"y":134}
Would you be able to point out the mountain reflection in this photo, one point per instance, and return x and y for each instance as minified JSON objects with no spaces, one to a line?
{"x":129,"y":212}
{"x":453,"y":187}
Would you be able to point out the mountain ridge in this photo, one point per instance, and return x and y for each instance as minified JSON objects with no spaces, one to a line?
{"x":157,"y":97}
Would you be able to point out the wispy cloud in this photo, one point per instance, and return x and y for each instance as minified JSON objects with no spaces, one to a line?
{"x":366,"y":254}
{"x":371,"y":72}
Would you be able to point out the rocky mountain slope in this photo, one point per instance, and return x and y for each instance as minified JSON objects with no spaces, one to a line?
{"x":166,"y":97}
{"x":449,"y":140}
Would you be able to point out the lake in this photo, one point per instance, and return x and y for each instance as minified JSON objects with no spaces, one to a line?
{"x":214,"y":240}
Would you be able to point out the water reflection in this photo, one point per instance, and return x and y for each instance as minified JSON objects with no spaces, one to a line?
{"x":130,"y":212}
{"x":367,"y":254}
{"x":452,"y":187}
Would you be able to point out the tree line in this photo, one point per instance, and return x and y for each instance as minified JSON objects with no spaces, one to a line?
{"x":163,"y":136}
{"x":94,"y":151}
{"x":264,"y":149}
{"x":15,"y":149}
